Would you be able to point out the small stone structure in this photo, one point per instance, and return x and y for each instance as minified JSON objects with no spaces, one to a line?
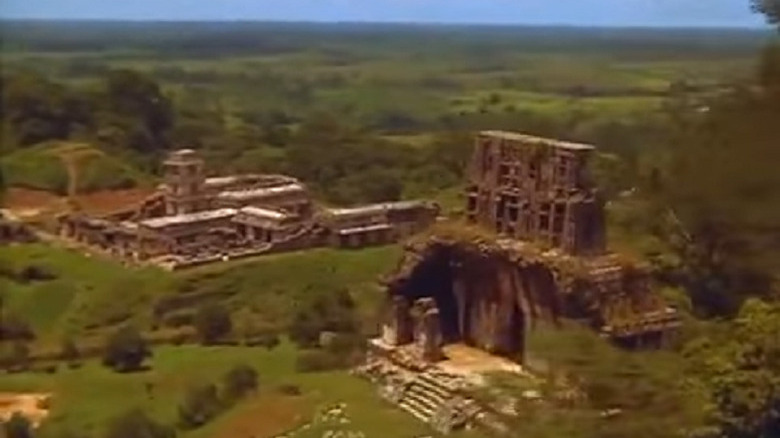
{"x":427,"y":330}
{"x":194,"y":219}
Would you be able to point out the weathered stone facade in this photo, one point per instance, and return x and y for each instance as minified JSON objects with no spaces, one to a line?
{"x":535,"y":251}
{"x":193,"y":219}
{"x":491,"y":292}
{"x":533,"y":188}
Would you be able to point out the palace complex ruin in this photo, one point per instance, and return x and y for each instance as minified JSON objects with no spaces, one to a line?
{"x":194,"y":219}
{"x":533,"y":250}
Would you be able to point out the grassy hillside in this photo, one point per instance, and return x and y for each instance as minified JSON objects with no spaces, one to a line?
{"x":39,"y":167}
{"x":86,"y":293}
{"x":76,"y":292}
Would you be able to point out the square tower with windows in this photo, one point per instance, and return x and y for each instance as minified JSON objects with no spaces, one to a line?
{"x":184,"y":183}
{"x":536,"y":189}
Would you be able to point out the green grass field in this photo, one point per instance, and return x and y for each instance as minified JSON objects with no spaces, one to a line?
{"x":85,"y":398}
{"x":93,"y":291}
{"x":85,"y":291}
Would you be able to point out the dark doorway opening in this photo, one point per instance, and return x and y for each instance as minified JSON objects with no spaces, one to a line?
{"x":433,"y":278}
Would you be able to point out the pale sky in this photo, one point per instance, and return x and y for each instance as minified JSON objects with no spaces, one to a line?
{"x":698,"y":13}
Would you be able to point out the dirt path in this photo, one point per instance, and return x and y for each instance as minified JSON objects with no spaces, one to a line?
{"x":33,"y":406}
{"x":265,"y":417}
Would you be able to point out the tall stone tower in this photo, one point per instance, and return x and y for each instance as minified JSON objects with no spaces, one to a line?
{"x":184,"y":183}
{"x":536,"y":189}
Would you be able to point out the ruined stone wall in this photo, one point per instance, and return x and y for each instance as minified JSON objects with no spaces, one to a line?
{"x":490,"y":293}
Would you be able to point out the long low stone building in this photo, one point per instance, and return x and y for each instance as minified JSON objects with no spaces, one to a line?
{"x":192,"y":217}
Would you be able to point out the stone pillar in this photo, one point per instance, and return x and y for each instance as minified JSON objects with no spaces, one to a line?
{"x":428,"y":330}
{"x":397,"y":330}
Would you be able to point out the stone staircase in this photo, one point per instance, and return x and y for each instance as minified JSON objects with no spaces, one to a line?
{"x":428,"y":394}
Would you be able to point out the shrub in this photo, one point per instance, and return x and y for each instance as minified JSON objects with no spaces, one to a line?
{"x":32,"y":273}
{"x":126,"y":350}
{"x":268,"y":340}
{"x":239,"y":381}
{"x":136,"y":423}
{"x":68,"y":351}
{"x":290,"y":389}
{"x":17,"y":357}
{"x":212,"y":323}
{"x":179,"y":318}
{"x":201,"y":404}
{"x":333,"y":312}
{"x":318,"y":360}
{"x":14,"y":328}
{"x":17,"y":427}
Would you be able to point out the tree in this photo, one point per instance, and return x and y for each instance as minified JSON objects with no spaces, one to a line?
{"x":587,"y":376}
{"x":38,"y":110}
{"x":212,"y":323}
{"x":126,"y":350}
{"x":741,"y":370}
{"x":452,"y":150}
{"x":201,"y":404}
{"x":770,"y":8}
{"x":17,"y":426}
{"x":136,"y":424}
{"x":332,"y":311}
{"x":20,"y":354}
{"x":239,"y":381}
{"x":68,"y":351}
{"x":132,"y":94}
{"x":721,"y":187}
{"x":13,"y":327}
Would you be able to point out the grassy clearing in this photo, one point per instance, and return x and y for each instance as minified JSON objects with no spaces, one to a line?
{"x":85,"y":398}
{"x":93,"y":293}
{"x":85,"y":291}
{"x":40,"y":168}
{"x":273,"y":286}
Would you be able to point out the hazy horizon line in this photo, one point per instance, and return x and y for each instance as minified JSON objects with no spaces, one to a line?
{"x":392,"y":22}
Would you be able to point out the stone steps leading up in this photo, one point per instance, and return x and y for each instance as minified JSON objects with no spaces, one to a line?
{"x":426,"y":395}
{"x":441,"y":382}
{"x":415,"y":407}
{"x":428,"y":399}
{"x":434,"y":388}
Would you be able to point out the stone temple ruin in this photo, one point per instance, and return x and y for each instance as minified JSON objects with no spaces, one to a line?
{"x":535,"y":250}
{"x":192,"y":219}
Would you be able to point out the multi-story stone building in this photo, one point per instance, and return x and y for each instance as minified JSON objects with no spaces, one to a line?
{"x":538,"y":189}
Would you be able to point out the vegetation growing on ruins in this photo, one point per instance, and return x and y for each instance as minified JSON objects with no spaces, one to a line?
{"x":687,"y":123}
